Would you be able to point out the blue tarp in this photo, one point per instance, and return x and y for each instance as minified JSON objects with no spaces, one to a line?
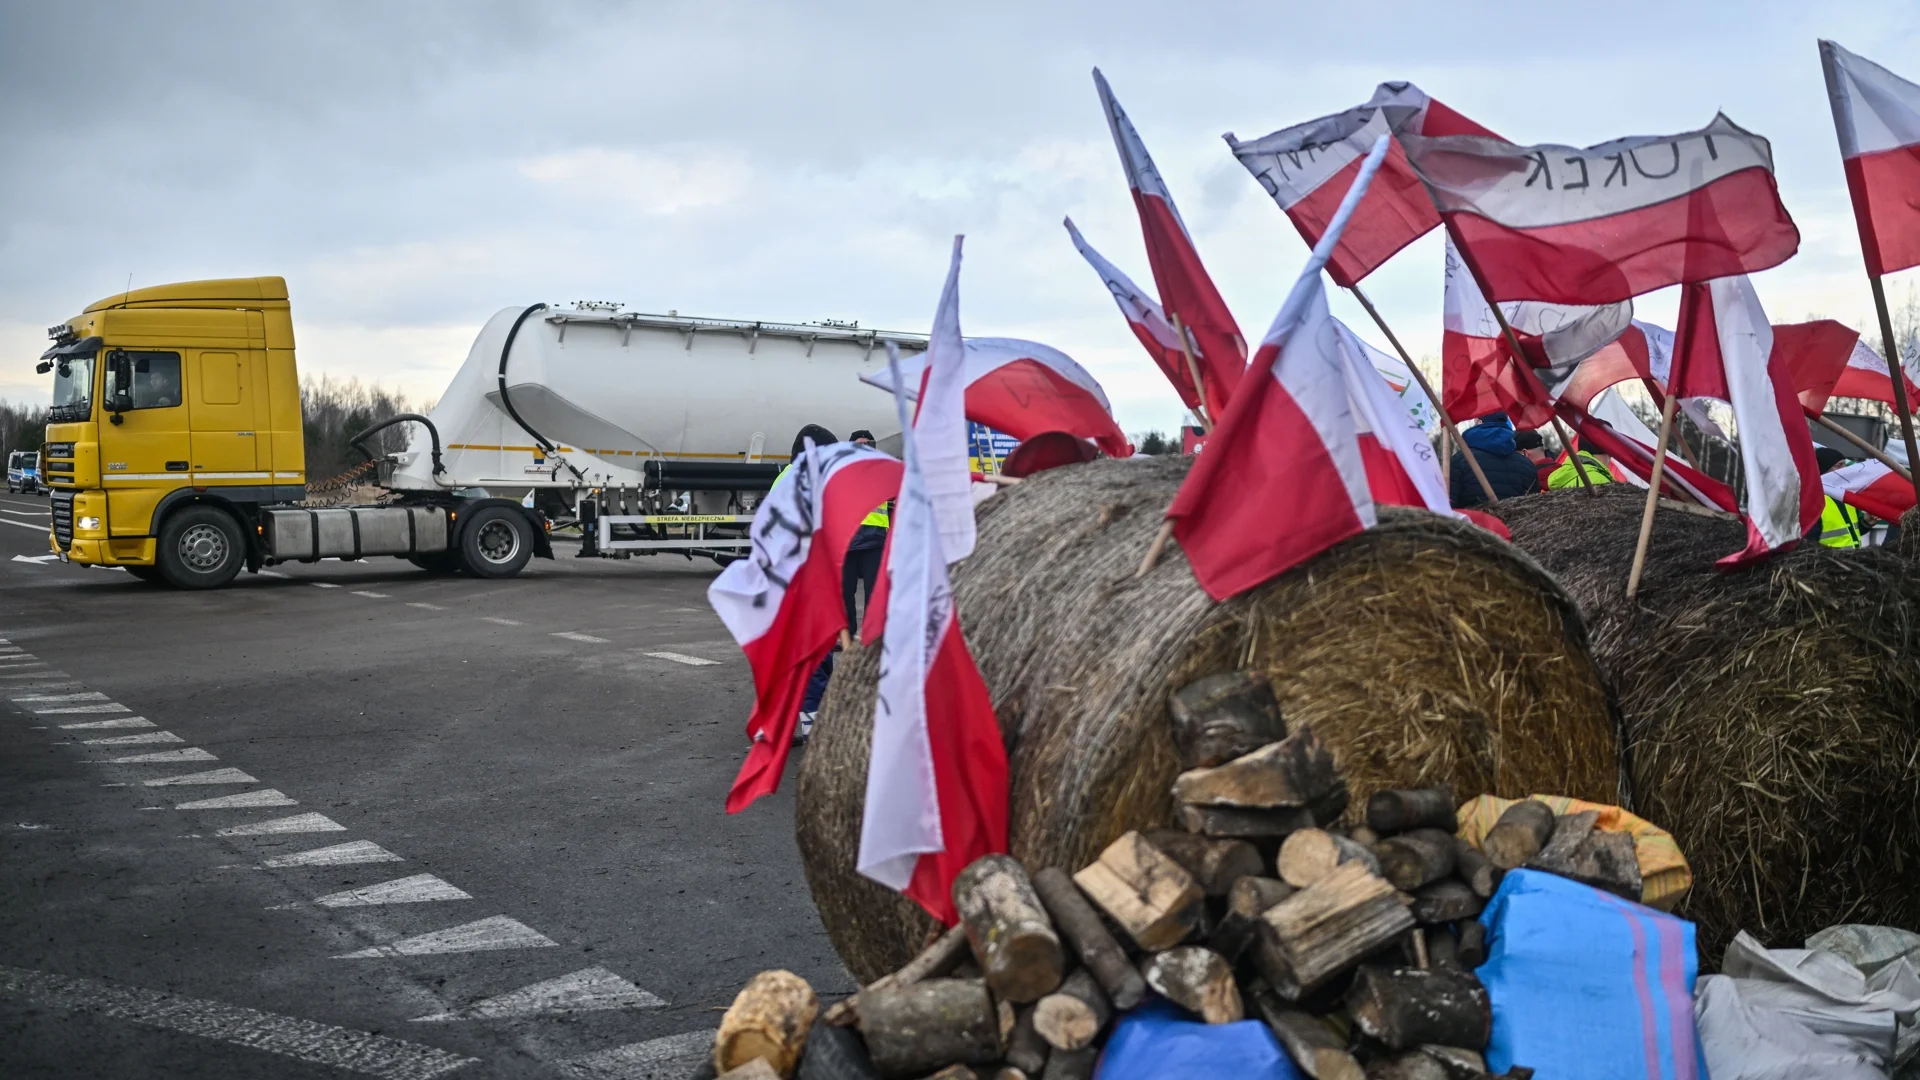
{"x":1159,"y":1041}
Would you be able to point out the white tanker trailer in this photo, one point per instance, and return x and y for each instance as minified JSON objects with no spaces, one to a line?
{"x":651,"y":432}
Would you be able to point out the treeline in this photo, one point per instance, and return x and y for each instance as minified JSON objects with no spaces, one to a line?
{"x":21,"y":427}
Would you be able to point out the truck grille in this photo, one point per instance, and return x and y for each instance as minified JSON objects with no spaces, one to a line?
{"x":57,"y":463}
{"x":63,"y":518}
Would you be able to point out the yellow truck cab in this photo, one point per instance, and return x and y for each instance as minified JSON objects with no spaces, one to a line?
{"x":174,"y":449}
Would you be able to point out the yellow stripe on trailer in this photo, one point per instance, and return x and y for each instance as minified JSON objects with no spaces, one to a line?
{"x":696,"y":519}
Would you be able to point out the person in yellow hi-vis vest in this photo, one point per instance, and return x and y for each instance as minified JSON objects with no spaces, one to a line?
{"x":1841,"y":526}
{"x":1568,"y":475}
{"x":861,"y":572}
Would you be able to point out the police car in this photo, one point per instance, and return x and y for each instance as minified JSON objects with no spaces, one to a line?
{"x":23,"y":471}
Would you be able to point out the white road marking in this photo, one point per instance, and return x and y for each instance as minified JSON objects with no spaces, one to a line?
{"x":484,"y":935}
{"x":71,"y":710}
{"x":191,"y":753}
{"x":302,"y":1040}
{"x":349,"y":854}
{"x":683,"y":658}
{"x":642,"y":1059}
{"x":271,"y":573}
{"x":418,"y":889}
{"x":246,"y":800}
{"x":37,"y":560}
{"x":588,"y":638}
{"x":501,"y":621}
{"x":593,"y":989}
{"x":323,"y":584}
{"x":429,"y":607}
{"x":25,"y":674}
{"x":52,"y":699}
{"x":211,"y":776}
{"x":116,"y":722}
{"x":372,"y":595}
{"x":11,"y":649}
{"x":24,"y":513}
{"x":142,"y":739}
{"x":298,"y":823}
{"x":36,"y":528}
{"x":21,"y":663}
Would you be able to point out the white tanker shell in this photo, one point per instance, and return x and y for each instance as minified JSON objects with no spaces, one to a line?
{"x":610,"y":390}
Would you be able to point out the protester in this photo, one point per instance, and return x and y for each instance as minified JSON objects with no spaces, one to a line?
{"x":1567,"y":473}
{"x":1507,"y":470}
{"x":1534,"y":449}
{"x":1841,"y":526}
{"x":861,"y":573}
{"x":817,"y":684}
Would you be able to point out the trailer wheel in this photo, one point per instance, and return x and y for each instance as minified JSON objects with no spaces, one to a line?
{"x":496,"y":543}
{"x":200,"y":548}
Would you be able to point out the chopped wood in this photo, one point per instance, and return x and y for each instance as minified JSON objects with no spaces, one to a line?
{"x":1327,"y":809}
{"x":1220,"y":717}
{"x":939,"y":958}
{"x":911,"y":1030}
{"x":757,"y":1069}
{"x":1446,"y":901}
{"x":836,"y":1053}
{"x":1026,"y":1050}
{"x":1198,"y":980}
{"x":1472,"y":949}
{"x":1311,"y":854}
{"x":1405,"y":1007}
{"x":1237,"y":929}
{"x":1013,"y":939}
{"x":1315,"y":1047}
{"x":1295,"y":771}
{"x":1597,"y":857}
{"x":1215,"y":864}
{"x":1460,"y":1063}
{"x":1473,"y":867}
{"x":1519,"y":835}
{"x":1412,"y":1065}
{"x":1229,"y":822}
{"x":1152,"y":897}
{"x":1364,"y":836}
{"x":1390,"y":812}
{"x":954,"y":1072}
{"x":1326,"y":927}
{"x":1442,"y":947}
{"x":769,"y":1018}
{"x":1413,"y":859}
{"x":1072,"y":1016}
{"x":1086,"y":935}
{"x":1012,"y":1072}
{"x":1071,"y":1064}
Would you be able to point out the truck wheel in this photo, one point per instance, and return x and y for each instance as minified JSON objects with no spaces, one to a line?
{"x":200,"y":548}
{"x":496,"y":543}
{"x":150,"y":574}
{"x":439,"y":562}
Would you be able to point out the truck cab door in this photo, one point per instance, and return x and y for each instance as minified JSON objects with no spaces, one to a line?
{"x":144,"y":445}
{"x":220,"y":407}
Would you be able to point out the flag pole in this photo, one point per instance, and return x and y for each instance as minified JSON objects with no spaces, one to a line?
{"x":1199,"y":388}
{"x":1519,"y":358}
{"x":1653,"y":498}
{"x":1573,"y":453}
{"x":1453,"y":430}
{"x":1898,"y":371}
{"x":1880,"y":455}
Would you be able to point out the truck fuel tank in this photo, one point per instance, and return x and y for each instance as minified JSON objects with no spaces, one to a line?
{"x":353,"y":532}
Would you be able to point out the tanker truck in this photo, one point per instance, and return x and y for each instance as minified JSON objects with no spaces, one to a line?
{"x":174,"y":444}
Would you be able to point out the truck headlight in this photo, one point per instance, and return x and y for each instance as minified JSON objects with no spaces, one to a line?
{"x":89,"y":523}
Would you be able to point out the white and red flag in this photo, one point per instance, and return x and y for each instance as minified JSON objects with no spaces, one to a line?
{"x":1283,"y":477}
{"x":1186,"y":291}
{"x":1603,"y":224}
{"x":1866,"y":376}
{"x":1725,"y":351}
{"x":940,"y":420}
{"x":1877,"y":115}
{"x":1307,"y":168}
{"x":1024,"y":388}
{"x":937,"y":776}
{"x":1816,"y":354}
{"x":1872,"y":487}
{"x":1145,"y":315}
{"x":782,"y":603}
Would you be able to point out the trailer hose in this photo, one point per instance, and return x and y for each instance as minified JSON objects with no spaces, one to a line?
{"x":506,"y":400}
{"x":433,"y":434}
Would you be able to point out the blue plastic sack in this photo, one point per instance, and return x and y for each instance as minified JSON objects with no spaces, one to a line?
{"x":1158,"y":1041}
{"x":1587,"y":986}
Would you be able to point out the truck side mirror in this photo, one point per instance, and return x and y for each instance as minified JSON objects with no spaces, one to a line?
{"x":120,"y":369}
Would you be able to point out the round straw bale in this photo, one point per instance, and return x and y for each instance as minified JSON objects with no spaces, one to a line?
{"x":1773,"y":714}
{"x":1424,"y":652}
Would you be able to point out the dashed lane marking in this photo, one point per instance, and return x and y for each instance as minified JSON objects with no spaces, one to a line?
{"x":593,"y":989}
{"x":641,"y":1059}
{"x":191,"y":753}
{"x":323,"y":584}
{"x":142,"y":739}
{"x":303,"y":1040}
{"x":246,"y":800}
{"x":273,"y":573}
{"x":373,"y":595}
{"x":104,"y":725}
{"x":683,"y":658}
{"x":211,"y":776}
{"x":500,"y":621}
{"x":54,"y":699}
{"x":41,"y":529}
{"x":351,"y":853}
{"x":298,"y":823}
{"x":588,"y":638}
{"x":418,"y":889}
{"x":483,"y":935}
{"x":36,"y":560}
{"x":429,"y":607}
{"x":74,"y":710}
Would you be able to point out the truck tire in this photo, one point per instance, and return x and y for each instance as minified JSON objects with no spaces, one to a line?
{"x":496,"y":542}
{"x":200,"y":548}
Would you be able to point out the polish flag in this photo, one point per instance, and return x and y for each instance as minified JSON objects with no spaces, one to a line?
{"x":1402,"y":469}
{"x":1872,"y":487}
{"x":782,"y":602}
{"x":1283,"y":477}
{"x":1024,"y":388}
{"x":1144,"y":314}
{"x":937,"y":777}
{"x":940,"y":420}
{"x":1877,"y":115}
{"x":1604,"y":224}
{"x":1185,"y":289}
{"x":1635,"y":454}
{"x":1816,"y":354}
{"x":1866,"y":376}
{"x":1725,"y":351}
{"x":1307,"y":168}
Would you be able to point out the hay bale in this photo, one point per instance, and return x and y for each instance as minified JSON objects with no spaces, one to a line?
{"x":1424,"y":652}
{"x":1773,"y":714}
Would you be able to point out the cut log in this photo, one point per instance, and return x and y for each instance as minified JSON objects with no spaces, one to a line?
{"x":940,"y":958}
{"x":1152,"y":898}
{"x":954,"y":1072}
{"x":1221,"y":717}
{"x":1012,"y":1072}
{"x":1074,"y":1015}
{"x":1311,"y":854}
{"x":1443,"y":948}
{"x":1472,"y":866}
{"x":1026,"y":1050}
{"x":1228,"y":822}
{"x":1472,"y":950}
{"x":912,"y":1030}
{"x":1296,"y":771}
{"x":1326,"y":809}
{"x":1596,"y":857}
{"x":1519,"y":835}
{"x":1363,"y":836}
{"x":1198,"y":980}
{"x":836,"y":1053}
{"x":757,"y":1069}
{"x":1316,"y":1048}
{"x":1416,"y":858}
{"x":1412,"y":1065}
{"x":1404,"y":1007}
{"x":1012,"y":938}
{"x":1071,"y":1064}
{"x":1460,"y":1063}
{"x":1237,"y":929}
{"x":1326,"y":927}
{"x":1215,"y":864}
{"x":1390,"y":812}
{"x":1080,"y":928}
{"x":1445,"y":901}
{"x":769,"y":1018}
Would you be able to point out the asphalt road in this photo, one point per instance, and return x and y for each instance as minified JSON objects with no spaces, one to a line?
{"x":471,"y":828}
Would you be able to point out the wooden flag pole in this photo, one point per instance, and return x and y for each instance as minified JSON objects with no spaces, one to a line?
{"x":1653,"y":497}
{"x":1573,"y":454}
{"x":1193,"y":369}
{"x":1866,"y":447}
{"x":1519,"y":360}
{"x":1898,"y":372}
{"x":1453,"y":430}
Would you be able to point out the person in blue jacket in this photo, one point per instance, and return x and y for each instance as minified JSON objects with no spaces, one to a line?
{"x":1508,"y":470}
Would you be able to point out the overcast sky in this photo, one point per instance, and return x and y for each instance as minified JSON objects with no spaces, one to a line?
{"x":413,"y":167}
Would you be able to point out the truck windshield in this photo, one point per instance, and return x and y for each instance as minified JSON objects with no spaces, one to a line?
{"x":72,"y":389}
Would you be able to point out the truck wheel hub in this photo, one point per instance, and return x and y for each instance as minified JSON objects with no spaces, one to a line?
{"x":498,"y":542}
{"x":203,"y":547}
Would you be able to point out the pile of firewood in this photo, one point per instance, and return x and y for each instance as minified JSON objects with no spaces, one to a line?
{"x":1355,"y":945}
